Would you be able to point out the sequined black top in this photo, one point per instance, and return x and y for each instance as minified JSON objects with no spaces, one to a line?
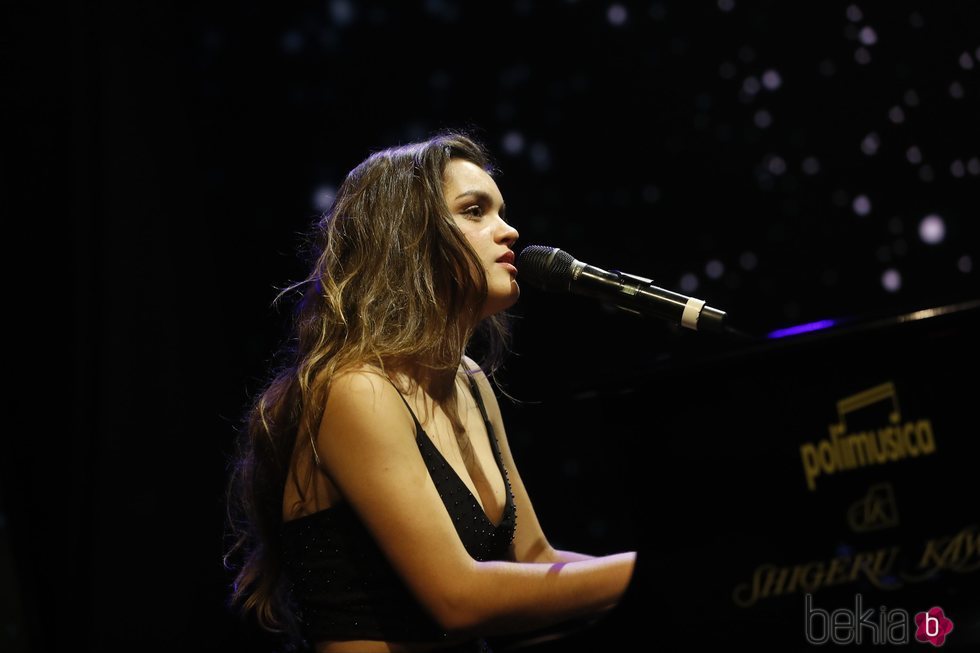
{"x":343,"y":586}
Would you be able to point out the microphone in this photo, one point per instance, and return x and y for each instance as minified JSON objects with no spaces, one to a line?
{"x":552,"y":269}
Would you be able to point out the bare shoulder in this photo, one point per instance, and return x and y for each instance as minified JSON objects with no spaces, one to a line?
{"x":359,"y":382}
{"x":474,"y":370}
{"x":362,"y":402}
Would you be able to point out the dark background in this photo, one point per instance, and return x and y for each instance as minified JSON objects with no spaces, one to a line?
{"x":781,"y":161}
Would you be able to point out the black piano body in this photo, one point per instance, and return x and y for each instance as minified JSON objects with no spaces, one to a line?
{"x":798,"y":491}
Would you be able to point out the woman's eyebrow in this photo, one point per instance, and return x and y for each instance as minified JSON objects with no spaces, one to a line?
{"x":482,"y":195}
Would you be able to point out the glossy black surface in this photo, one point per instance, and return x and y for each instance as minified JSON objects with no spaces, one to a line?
{"x":711,"y":447}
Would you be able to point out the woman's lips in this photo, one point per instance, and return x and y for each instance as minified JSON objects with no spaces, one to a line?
{"x":507,"y":260}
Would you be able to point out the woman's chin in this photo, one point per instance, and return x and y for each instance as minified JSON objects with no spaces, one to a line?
{"x":502,"y":303}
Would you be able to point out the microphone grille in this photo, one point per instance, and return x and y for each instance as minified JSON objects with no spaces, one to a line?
{"x":547,"y":268}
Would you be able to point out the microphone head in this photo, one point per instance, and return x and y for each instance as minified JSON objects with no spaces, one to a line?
{"x":547,"y":268}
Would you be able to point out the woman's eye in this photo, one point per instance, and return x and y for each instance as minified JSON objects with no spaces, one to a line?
{"x":476,"y":211}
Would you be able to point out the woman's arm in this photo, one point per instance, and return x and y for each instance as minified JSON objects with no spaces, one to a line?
{"x":542,"y":594}
{"x":366,"y":444}
{"x":558,"y":555}
{"x":530,"y":543}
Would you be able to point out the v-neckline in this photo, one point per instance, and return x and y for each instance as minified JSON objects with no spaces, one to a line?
{"x":500,"y":467}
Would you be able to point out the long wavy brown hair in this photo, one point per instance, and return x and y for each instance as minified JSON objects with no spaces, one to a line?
{"x":392,"y":284}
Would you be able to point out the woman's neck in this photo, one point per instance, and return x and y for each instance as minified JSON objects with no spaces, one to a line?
{"x":438,"y":385}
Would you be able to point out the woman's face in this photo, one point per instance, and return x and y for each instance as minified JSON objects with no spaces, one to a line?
{"x":478,"y":210}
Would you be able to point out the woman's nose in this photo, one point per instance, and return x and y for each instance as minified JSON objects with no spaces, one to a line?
{"x":509,"y":234}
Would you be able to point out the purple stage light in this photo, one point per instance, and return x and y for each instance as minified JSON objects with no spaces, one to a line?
{"x":801,"y":328}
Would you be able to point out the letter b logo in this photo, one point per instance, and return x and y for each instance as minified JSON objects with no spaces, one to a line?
{"x":821,"y":633}
{"x":933,"y":626}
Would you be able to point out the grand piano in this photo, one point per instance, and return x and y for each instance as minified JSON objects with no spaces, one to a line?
{"x":803,"y":489}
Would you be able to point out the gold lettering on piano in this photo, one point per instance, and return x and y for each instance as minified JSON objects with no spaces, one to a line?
{"x":808,"y":577}
{"x":958,"y":553}
{"x":844,"y":451}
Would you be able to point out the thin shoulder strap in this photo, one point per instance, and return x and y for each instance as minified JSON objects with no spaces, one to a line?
{"x":418,"y":426}
{"x":470,"y":374}
{"x":491,"y":434}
